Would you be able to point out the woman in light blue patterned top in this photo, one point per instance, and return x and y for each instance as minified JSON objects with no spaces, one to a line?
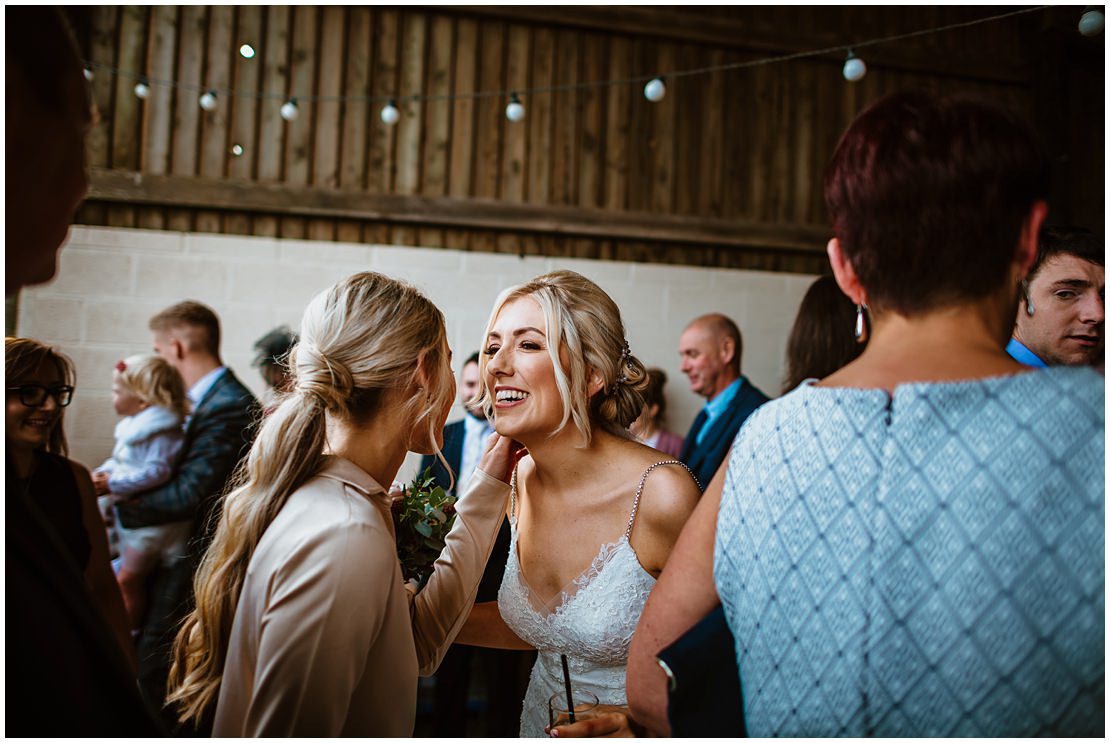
{"x":914,"y":545}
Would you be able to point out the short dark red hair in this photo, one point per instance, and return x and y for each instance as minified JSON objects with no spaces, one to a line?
{"x":928,"y":195}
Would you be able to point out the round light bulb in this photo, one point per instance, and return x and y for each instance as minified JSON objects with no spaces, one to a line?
{"x":142,"y":90}
{"x":515,"y":110}
{"x":88,"y":73}
{"x":289,"y":110}
{"x":247,"y":51}
{"x":208,"y":101}
{"x":390,"y":115}
{"x":655,"y":90}
{"x":1091,"y":22}
{"x":237,"y":150}
{"x":854,"y":69}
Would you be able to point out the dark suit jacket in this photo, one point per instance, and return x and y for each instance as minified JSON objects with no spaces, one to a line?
{"x":706,"y":457}
{"x":218,"y":434}
{"x":453,"y":435}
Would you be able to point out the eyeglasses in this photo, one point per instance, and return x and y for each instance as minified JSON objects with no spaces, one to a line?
{"x":34,"y":395}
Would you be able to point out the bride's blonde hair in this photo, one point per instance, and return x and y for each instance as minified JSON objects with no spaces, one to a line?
{"x":361,"y":342}
{"x":584,"y":320}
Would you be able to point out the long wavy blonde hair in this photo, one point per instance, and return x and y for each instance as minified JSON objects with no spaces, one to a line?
{"x":361,"y":342}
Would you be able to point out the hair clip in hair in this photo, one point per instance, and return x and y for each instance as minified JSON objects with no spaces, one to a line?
{"x":626,"y":353}
{"x":121,"y":366}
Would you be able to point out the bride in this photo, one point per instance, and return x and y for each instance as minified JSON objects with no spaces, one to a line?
{"x":594,"y":514}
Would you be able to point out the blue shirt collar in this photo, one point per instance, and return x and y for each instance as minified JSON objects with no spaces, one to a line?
{"x":1023,"y":355}
{"x":720,"y":403}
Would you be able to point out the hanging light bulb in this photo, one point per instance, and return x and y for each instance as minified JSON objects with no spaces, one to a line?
{"x":247,"y":51}
{"x":854,"y":68}
{"x":88,"y":73}
{"x":142,"y":88}
{"x":515,"y":110}
{"x":390,"y":115}
{"x":1091,"y":22}
{"x":208,"y":101}
{"x":289,"y":109}
{"x":655,"y":90}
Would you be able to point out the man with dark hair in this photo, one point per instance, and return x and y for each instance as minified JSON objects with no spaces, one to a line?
{"x":218,"y":433}
{"x":710,"y":348}
{"x":1062,"y":309}
{"x":505,"y":671}
{"x":67,"y":675}
{"x":272,"y":352}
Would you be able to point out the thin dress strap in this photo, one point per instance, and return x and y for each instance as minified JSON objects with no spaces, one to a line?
{"x":640,"y":490}
{"x":512,"y":496}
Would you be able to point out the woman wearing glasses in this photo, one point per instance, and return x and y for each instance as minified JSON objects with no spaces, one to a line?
{"x":39,"y":383}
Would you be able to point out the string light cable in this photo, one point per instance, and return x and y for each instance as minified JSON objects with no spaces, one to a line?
{"x":211,"y":94}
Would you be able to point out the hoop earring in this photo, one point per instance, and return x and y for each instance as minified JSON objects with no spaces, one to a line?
{"x":863,"y":330}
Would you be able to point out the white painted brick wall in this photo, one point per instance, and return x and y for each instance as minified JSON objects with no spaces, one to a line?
{"x":112,"y":280}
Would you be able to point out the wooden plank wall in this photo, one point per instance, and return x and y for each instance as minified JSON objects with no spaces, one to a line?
{"x":746,"y":146}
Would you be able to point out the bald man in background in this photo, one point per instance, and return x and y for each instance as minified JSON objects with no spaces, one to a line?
{"x":710,"y":348}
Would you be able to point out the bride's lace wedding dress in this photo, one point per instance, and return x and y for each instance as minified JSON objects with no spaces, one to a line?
{"x":591,"y":621}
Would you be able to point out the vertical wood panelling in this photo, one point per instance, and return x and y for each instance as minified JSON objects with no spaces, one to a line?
{"x":437,"y":117}
{"x":516,"y":135}
{"x":640,"y":133}
{"x":539,"y":120}
{"x":102,"y":48}
{"x":462,"y":109}
{"x":270,"y":141}
{"x":437,"y":112}
{"x":245,"y":76}
{"x":186,"y":117}
{"x":591,"y":113}
{"x":564,"y":139}
{"x":272,"y":129}
{"x":380,"y":175}
{"x":326,"y":139}
{"x":352,"y":158}
{"x":413,"y":40}
{"x":745,"y":144}
{"x":302,"y":74}
{"x":617,"y":131}
{"x":126,"y":130}
{"x":214,"y":124}
{"x":711,"y":139}
{"x":663,"y":140}
{"x":158,"y":113}
{"x":491,"y":111}
{"x":690,"y":133}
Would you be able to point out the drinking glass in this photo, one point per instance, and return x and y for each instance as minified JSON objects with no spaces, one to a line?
{"x":585,"y":707}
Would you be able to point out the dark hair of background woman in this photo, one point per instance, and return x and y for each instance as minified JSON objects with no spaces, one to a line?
{"x":823,"y":337}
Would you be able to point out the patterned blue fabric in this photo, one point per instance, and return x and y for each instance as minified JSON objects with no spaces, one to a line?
{"x":927,"y":565}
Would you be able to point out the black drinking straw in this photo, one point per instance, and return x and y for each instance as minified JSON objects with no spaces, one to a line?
{"x":566,"y":680}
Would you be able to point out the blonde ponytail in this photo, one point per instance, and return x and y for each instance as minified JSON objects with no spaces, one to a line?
{"x":359,"y":340}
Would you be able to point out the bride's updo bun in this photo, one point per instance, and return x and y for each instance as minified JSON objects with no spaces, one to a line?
{"x":584,"y":320}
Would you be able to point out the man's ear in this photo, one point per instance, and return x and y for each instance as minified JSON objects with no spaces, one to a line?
{"x":177,"y":348}
{"x":845,"y":274}
{"x":728,"y":350}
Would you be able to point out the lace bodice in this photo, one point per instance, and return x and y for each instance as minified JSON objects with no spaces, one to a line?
{"x":591,"y":621}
